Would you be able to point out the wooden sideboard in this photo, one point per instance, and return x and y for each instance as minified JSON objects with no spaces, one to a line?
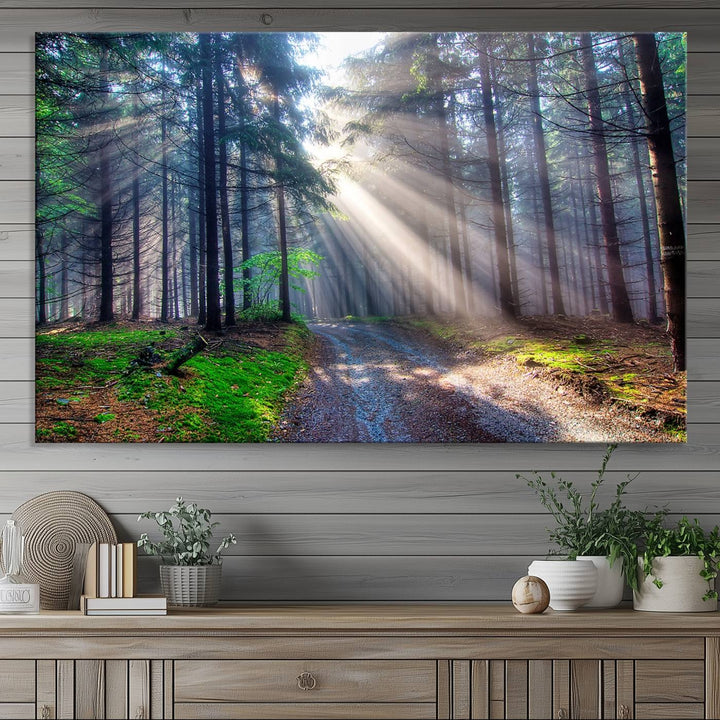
{"x":361,"y":662}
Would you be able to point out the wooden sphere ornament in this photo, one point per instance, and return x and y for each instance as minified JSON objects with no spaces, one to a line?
{"x":530,"y":595}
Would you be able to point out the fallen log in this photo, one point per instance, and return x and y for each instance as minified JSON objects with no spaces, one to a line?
{"x":185,"y":353}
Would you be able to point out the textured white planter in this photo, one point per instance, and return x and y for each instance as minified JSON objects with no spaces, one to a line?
{"x":191,"y":585}
{"x":682,"y":589}
{"x":610,"y":582}
{"x":571,"y":582}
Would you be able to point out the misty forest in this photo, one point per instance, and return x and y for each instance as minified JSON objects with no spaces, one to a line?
{"x":360,"y":237}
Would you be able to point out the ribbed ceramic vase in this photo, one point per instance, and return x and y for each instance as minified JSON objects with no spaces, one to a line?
{"x":682,"y":587}
{"x":610,"y":582}
{"x":191,"y":585}
{"x":571,"y":582}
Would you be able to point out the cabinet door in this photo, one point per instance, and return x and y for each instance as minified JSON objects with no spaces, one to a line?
{"x":88,"y":689}
{"x":17,"y":689}
{"x":527,"y":689}
{"x":587,"y":688}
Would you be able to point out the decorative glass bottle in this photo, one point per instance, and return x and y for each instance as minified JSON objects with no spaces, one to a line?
{"x":17,"y":595}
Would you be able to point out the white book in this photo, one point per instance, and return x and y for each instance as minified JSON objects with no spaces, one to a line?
{"x":113,"y":571}
{"x":119,"y":570}
{"x":104,"y":570}
{"x":139,"y":602}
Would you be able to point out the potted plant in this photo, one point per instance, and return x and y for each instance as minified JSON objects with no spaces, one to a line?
{"x":190,"y":574}
{"x":583,"y":530}
{"x":677,"y":568}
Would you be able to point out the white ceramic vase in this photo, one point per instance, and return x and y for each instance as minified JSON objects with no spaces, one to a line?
{"x":571,"y":582}
{"x":682,"y":590}
{"x":610,"y":582}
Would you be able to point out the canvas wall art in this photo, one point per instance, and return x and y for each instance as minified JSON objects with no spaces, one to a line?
{"x":360,"y":237}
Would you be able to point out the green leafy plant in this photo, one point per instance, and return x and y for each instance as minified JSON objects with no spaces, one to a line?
{"x":187,"y":531}
{"x":582,"y":527}
{"x":686,"y":538}
{"x":267,"y":269}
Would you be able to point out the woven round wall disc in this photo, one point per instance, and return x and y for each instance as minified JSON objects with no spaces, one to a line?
{"x":52,"y":524}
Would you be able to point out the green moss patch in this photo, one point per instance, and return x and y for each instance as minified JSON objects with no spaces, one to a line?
{"x":232,"y":393}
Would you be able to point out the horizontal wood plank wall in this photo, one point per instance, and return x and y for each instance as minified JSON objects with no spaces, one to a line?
{"x":349,"y":522}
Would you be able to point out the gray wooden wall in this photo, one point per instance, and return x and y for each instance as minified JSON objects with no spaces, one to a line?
{"x":357,"y":523}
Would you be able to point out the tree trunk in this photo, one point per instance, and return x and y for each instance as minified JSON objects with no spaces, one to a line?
{"x":244,"y":224}
{"x":581,"y":223}
{"x":64,"y":279}
{"x":671,"y":228}
{"x":41,"y":278}
{"x":541,"y":160}
{"x":621,"y":308}
{"x":106,"y":240}
{"x":629,"y":100}
{"x":228,"y":264}
{"x":542,"y":288}
{"x":282,"y":229}
{"x":244,"y":182}
{"x":458,"y":291}
{"x":202,"y":213}
{"x":507,"y":307}
{"x":193,"y":251}
{"x":136,"y":297}
{"x":185,"y":353}
{"x":213,"y":320}
{"x":502,"y":151}
{"x":164,"y":260}
{"x":174,"y":254}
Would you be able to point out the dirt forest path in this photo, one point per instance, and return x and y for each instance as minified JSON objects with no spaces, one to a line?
{"x":386,"y":383}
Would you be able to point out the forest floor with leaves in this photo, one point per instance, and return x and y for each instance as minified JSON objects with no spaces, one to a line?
{"x":607,"y":363}
{"x":537,"y":380}
{"x":360,"y":380}
{"x":109,"y":383}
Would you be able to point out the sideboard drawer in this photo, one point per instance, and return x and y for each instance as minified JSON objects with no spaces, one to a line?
{"x":300,"y":681}
{"x":672,"y":681}
{"x":305,"y":711}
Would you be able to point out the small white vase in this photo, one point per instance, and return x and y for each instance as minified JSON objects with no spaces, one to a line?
{"x":571,"y":582}
{"x":682,"y":590}
{"x":610,"y":582}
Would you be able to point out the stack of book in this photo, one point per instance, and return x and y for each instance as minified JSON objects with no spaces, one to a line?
{"x":111,"y":583}
{"x":138,"y":605}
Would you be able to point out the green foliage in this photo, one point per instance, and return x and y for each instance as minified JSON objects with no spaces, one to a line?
{"x":64,"y":430}
{"x":235,"y":396}
{"x":267,"y":267}
{"x":187,"y":530}
{"x":102,"y":337}
{"x":266,"y":312}
{"x":583,"y":528}
{"x":372,"y":319}
{"x":686,"y":539}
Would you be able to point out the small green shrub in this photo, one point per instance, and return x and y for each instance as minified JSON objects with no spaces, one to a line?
{"x":186,"y":530}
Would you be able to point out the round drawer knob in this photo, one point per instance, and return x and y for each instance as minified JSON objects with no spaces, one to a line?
{"x":306,"y":681}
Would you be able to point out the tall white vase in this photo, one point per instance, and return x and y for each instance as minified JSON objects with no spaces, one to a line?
{"x":571,"y":582}
{"x":610,"y":582}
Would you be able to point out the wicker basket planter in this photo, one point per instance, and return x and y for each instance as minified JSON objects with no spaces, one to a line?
{"x":191,"y":585}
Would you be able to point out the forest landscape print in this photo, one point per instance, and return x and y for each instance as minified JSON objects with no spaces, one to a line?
{"x":452,"y":237}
